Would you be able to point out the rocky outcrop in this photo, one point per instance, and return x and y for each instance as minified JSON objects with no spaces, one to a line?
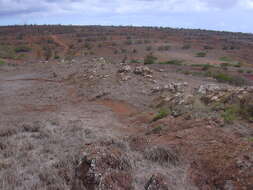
{"x":103,"y":167}
{"x":142,"y":70}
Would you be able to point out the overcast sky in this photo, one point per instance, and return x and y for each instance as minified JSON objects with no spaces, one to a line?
{"x":229,"y":15}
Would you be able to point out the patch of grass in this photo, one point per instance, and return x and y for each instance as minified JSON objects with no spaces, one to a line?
{"x":150,"y":59}
{"x":225,"y":59}
{"x":161,"y":114}
{"x":230,"y":79}
{"x":231,"y":113}
{"x":201,"y":54}
{"x":240,"y":71}
{"x":136,"y":61}
{"x":56,"y":57}
{"x":250,"y":139}
{"x":206,"y":67}
{"x":2,"y":62}
{"x":238,"y":64}
{"x":172,"y":62}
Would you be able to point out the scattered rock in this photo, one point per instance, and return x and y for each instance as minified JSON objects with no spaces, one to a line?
{"x":103,"y":167}
{"x":125,"y":69}
{"x":142,"y":70}
{"x":206,"y":88}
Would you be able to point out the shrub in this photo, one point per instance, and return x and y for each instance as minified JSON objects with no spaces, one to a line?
{"x":2,"y":62}
{"x":161,"y":114}
{"x":206,"y":67}
{"x":163,"y":48}
{"x":239,"y":64}
{"x":148,"y":48}
{"x":186,"y":46}
{"x":150,"y":59}
{"x":128,"y":42}
{"x":172,"y":62}
{"x":135,"y":61}
{"x":22,"y":49}
{"x":231,"y":113}
{"x":231,"y":79}
{"x":208,"y":47}
{"x":246,"y":107}
{"x":56,"y":57}
{"x":224,"y":66}
{"x":226,"y":59}
{"x":47,"y":52}
{"x":201,"y":54}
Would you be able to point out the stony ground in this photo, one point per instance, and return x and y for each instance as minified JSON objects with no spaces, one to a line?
{"x":92,"y":124}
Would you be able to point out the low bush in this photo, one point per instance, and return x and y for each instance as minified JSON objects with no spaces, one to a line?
{"x":226,"y":59}
{"x":148,"y":48}
{"x":201,"y":54}
{"x":231,"y":113}
{"x":161,"y":114}
{"x":231,"y":79}
{"x":150,"y":59}
{"x":163,"y":48}
{"x":2,"y":62}
{"x":186,"y":46}
{"x":172,"y":62}
{"x":22,"y":49}
{"x":206,"y":67}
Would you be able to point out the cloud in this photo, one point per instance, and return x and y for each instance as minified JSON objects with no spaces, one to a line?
{"x":192,"y":13}
{"x":16,"y":7}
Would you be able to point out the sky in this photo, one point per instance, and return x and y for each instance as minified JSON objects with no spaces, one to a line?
{"x":223,"y":15}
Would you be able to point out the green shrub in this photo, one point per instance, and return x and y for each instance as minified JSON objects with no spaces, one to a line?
{"x":172,"y":62}
{"x":239,"y":64}
{"x":22,"y":49}
{"x":136,"y":61}
{"x":150,"y":59}
{"x":230,"y":113}
{"x":2,"y":62}
{"x":201,"y":54}
{"x":161,"y":114}
{"x":206,"y":67}
{"x":231,"y":79}
{"x":226,"y":59}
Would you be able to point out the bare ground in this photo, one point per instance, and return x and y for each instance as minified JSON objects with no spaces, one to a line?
{"x":52,"y":113}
